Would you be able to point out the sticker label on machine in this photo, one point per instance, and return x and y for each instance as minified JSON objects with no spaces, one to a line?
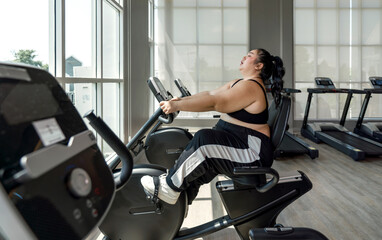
{"x":49,"y":131}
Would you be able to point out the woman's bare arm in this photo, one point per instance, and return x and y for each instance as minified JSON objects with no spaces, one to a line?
{"x":224,"y":99}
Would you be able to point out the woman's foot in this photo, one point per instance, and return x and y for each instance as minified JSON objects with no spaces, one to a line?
{"x":165,"y":193}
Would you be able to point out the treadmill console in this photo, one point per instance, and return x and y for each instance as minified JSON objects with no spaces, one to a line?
{"x":182,"y":88}
{"x":376,"y":82}
{"x":324,"y":82}
{"x":54,"y":181}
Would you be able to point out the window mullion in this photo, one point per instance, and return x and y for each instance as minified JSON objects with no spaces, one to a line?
{"x":63,"y":30}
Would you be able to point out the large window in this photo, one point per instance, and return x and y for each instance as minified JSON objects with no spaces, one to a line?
{"x":78,"y":41}
{"x":339,"y":39}
{"x":201,"y":42}
{"x":24,"y":27}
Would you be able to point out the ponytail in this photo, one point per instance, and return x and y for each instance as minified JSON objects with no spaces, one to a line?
{"x":277,"y":79}
{"x":273,"y":70}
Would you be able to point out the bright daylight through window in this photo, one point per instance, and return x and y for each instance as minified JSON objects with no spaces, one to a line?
{"x":62,"y":36}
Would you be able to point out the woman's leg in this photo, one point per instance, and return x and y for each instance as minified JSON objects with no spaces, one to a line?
{"x":210,"y":152}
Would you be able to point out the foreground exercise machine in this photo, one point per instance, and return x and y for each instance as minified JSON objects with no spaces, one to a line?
{"x":372,"y":130}
{"x":250,"y":199}
{"x":336,"y":135}
{"x":54,"y":182}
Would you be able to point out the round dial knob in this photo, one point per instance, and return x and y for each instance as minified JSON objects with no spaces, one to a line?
{"x":79,"y":183}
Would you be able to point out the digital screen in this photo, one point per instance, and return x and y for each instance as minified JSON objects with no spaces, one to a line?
{"x":162,"y":90}
{"x":181,"y":84}
{"x":378,"y":82}
{"x":21,"y":103}
{"x":324,"y":82}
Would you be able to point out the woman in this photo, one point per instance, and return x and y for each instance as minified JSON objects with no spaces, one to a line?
{"x":240,"y":138}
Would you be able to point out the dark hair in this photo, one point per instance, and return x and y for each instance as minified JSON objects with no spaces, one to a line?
{"x":272,"y":71}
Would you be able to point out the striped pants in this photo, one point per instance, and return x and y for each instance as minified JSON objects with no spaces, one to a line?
{"x":218,"y":151}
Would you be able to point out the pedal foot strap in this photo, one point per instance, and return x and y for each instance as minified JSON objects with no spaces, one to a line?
{"x":156,"y":189}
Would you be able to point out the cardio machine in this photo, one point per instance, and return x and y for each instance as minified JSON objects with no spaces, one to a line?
{"x":372,"y":130}
{"x":336,"y":135}
{"x":54,"y":182}
{"x":292,"y":145}
{"x":250,"y":199}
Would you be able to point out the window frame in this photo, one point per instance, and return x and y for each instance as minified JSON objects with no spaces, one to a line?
{"x":58,"y":58}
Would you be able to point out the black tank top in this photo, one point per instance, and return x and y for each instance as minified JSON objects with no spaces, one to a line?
{"x":244,"y":116}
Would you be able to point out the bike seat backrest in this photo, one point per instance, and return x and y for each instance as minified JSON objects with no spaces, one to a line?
{"x":277,"y":121}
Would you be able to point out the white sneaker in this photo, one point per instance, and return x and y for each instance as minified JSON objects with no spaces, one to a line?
{"x":165,"y":193}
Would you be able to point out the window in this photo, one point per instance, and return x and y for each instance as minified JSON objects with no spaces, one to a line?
{"x":340,"y":39}
{"x":201,"y":42}
{"x":30,"y":25}
{"x":79,"y":41}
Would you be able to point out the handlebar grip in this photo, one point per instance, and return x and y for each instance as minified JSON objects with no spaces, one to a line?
{"x":166,"y":120}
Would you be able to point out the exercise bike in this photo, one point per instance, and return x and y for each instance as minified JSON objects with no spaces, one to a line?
{"x":54,"y":182}
{"x":250,"y":198}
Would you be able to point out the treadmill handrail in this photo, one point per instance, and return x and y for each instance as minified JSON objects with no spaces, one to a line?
{"x":362,"y":113}
{"x":373,"y":90}
{"x":365,"y":103}
{"x":335,"y":90}
{"x":350,"y":92}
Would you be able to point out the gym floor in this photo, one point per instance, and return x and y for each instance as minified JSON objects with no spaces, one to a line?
{"x":345,"y":202}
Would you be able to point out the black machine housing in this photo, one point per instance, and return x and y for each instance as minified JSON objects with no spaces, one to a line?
{"x":55,"y":183}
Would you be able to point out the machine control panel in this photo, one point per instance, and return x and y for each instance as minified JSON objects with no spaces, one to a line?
{"x":324,"y":82}
{"x":376,"y":82}
{"x":182,"y":88}
{"x":80,"y":183}
{"x":159,"y":91}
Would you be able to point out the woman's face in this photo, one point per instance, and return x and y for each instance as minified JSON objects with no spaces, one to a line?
{"x":249,"y":61}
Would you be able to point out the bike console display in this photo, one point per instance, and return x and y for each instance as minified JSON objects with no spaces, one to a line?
{"x":158,"y":89}
{"x":55,"y":183}
{"x":182,"y":88}
{"x":376,"y":82}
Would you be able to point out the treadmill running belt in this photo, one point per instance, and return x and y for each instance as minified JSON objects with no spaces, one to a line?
{"x":289,"y":145}
{"x":368,"y":148}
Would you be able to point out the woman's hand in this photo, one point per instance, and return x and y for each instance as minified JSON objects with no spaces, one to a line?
{"x":170,"y":106}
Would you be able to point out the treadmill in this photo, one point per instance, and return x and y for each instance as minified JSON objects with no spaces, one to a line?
{"x":336,"y":135}
{"x":372,"y":130}
{"x":292,"y":145}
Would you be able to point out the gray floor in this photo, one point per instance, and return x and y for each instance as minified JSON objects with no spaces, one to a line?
{"x":345,"y":202}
